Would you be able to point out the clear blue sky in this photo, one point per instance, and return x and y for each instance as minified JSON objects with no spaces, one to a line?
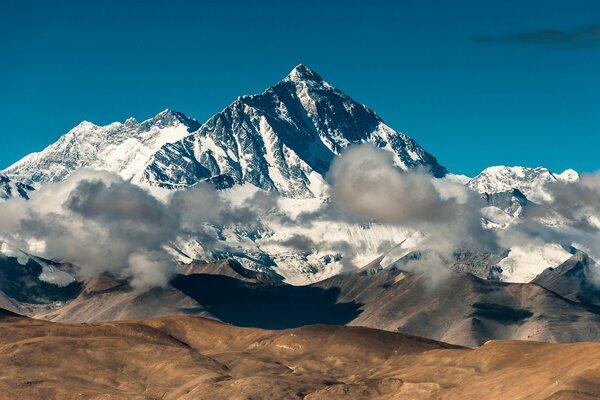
{"x":477,"y":83}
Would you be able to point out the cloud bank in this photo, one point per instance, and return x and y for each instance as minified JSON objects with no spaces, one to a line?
{"x":366,"y":182}
{"x":102,"y":223}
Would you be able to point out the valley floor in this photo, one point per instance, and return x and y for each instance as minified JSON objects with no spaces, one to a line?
{"x":187,"y":357}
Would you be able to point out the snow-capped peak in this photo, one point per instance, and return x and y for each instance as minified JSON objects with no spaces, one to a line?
{"x":302,"y":73}
{"x":124,"y":148}
{"x":568,"y":175}
{"x":84,"y":125}
{"x":530,"y":181}
{"x":130,"y":122}
{"x":282,"y":139}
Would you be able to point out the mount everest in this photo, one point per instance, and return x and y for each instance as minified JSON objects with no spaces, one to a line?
{"x":283,"y":141}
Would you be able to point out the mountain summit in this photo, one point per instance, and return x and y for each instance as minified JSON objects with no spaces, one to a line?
{"x":302,"y":73}
{"x":283,"y":139}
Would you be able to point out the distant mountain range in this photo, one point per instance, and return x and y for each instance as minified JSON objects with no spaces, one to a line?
{"x":529,"y":181}
{"x":282,"y":139}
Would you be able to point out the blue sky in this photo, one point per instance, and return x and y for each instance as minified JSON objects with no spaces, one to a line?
{"x":477,"y":83}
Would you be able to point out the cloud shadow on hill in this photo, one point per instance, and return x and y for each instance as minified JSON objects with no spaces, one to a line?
{"x":266,"y":306}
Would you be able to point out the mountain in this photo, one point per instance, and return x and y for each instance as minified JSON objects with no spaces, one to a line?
{"x":230,"y":268}
{"x":529,"y":181}
{"x":513,"y":202}
{"x":576,"y":279}
{"x":454,"y":307}
{"x":124,"y":148}
{"x":462,"y":309}
{"x":10,"y":188}
{"x":282,"y":139}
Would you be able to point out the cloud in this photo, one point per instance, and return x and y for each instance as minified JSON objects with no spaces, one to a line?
{"x":115,"y":201}
{"x":102,"y":223}
{"x":575,"y":204}
{"x":97,"y":221}
{"x":366,"y":182}
{"x":584,"y":36}
{"x":149,"y":269}
{"x":569,"y":216}
{"x":202,"y":204}
{"x":432,"y":265}
{"x":301,"y":243}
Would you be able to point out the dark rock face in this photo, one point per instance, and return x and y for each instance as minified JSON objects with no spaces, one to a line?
{"x":575,"y":279}
{"x":21,"y":283}
{"x":514,"y":202}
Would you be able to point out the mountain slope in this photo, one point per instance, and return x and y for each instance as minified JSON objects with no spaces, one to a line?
{"x":10,"y":188}
{"x":29,"y":284}
{"x":458,"y":308}
{"x":282,"y":139}
{"x":192,"y":358}
{"x":123,"y":148}
{"x":196,"y":358}
{"x":463,"y":309}
{"x":576,"y":279}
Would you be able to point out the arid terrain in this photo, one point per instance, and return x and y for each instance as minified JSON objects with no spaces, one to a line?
{"x":465,"y":310}
{"x":195,"y":358}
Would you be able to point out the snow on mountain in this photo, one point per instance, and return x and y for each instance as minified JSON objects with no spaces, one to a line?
{"x":50,"y":273}
{"x":124,"y":148}
{"x":530,"y":181}
{"x":302,"y":253}
{"x":457,"y":178}
{"x":509,"y":192}
{"x":10,"y":188}
{"x":527,"y":261}
{"x":282,"y":139}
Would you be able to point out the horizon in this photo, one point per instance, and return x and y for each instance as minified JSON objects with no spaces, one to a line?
{"x":510,"y":84}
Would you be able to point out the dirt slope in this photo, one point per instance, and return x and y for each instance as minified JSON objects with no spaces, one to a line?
{"x":194,"y":358}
